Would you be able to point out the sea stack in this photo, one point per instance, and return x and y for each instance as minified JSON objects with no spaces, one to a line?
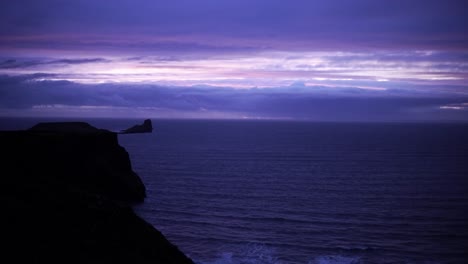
{"x":146,"y":127}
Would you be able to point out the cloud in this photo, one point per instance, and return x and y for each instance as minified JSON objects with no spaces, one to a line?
{"x":24,"y":94}
{"x":21,"y":63}
{"x":457,"y":106}
{"x":280,"y":25}
{"x":77,"y":61}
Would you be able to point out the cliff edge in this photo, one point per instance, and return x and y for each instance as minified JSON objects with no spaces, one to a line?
{"x":66,"y":194}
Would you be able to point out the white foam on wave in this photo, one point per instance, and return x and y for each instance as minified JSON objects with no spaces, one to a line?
{"x":252,"y":253}
{"x":335,"y":259}
{"x":255,"y":253}
{"x":262,"y":256}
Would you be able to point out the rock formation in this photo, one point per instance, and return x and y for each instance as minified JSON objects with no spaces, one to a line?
{"x":146,"y":127}
{"x":66,"y":194}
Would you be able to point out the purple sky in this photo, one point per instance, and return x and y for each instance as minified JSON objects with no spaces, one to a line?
{"x":364,"y":60}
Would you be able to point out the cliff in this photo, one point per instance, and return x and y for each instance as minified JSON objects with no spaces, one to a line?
{"x":66,"y":193}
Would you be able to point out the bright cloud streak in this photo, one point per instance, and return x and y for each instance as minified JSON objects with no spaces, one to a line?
{"x":264,"y":69}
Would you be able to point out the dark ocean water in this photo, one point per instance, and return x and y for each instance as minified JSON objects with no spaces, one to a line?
{"x":231,"y":192}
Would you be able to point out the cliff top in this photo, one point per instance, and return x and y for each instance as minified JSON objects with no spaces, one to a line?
{"x":65,"y":127}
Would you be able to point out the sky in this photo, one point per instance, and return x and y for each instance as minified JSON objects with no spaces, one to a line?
{"x":317,"y":60}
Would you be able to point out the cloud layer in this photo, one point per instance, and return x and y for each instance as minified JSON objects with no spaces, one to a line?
{"x":24,"y":95}
{"x":299,"y":59}
{"x":428,"y":24}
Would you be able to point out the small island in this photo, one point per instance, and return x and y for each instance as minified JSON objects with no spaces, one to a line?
{"x":67,"y":191}
{"x":146,"y":127}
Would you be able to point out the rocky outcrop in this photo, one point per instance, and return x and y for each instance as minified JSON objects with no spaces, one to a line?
{"x":146,"y":127}
{"x":66,"y":193}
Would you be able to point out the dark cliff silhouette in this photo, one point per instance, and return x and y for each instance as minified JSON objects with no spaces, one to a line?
{"x":146,"y":127}
{"x":66,"y":194}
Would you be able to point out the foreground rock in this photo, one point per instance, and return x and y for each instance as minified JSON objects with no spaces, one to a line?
{"x":146,"y":127}
{"x":66,"y":190}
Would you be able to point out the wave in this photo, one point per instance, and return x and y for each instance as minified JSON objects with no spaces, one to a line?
{"x":256,"y":253}
{"x":252,"y":253}
{"x":335,"y":259}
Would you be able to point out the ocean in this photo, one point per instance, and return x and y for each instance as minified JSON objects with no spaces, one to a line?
{"x":232,"y":192}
